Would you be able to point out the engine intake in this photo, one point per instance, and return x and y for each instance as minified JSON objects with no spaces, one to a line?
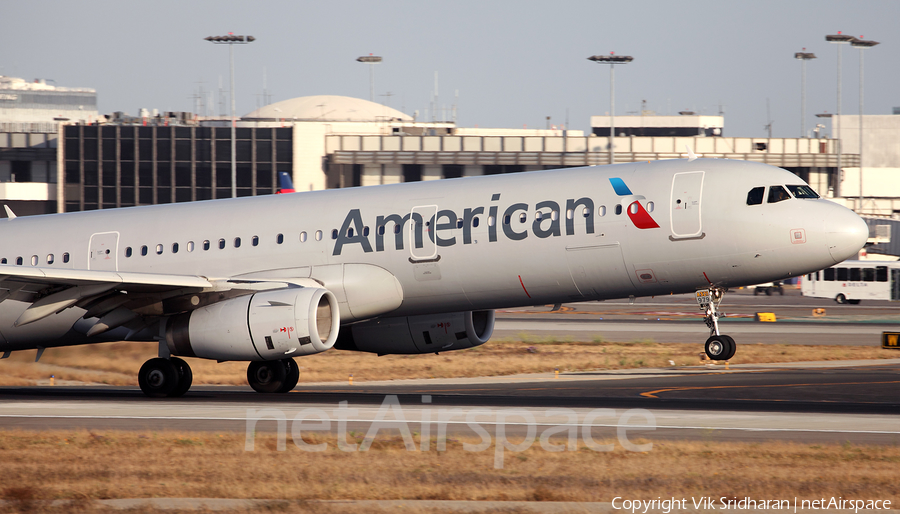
{"x":268,"y":325}
{"x":419,"y":334}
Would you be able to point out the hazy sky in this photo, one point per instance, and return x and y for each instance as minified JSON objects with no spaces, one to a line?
{"x":513,"y":62}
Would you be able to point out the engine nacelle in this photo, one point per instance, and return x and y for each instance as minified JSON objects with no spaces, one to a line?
{"x":419,"y":334}
{"x":269,"y":325}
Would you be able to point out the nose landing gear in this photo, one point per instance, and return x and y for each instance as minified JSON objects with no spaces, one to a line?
{"x":718,"y":347}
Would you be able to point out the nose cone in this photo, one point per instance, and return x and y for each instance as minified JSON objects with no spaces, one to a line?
{"x":846,"y":233}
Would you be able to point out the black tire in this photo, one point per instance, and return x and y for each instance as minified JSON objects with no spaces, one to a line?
{"x":185,"y":377}
{"x":840,"y":298}
{"x":755,"y":291}
{"x":768,"y":291}
{"x":292,"y":375}
{"x":853,"y":302}
{"x":732,"y":347}
{"x":158,"y":378}
{"x":266,"y":376}
{"x":781,"y":291}
{"x":717,"y":347}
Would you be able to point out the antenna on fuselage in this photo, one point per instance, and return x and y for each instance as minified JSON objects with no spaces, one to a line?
{"x":691,"y":155}
{"x":9,"y":213}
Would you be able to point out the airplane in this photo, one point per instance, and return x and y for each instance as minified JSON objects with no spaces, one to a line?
{"x":405,"y":268}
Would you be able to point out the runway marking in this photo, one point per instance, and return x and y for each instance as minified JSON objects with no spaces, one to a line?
{"x":486,"y":422}
{"x":652,"y":394}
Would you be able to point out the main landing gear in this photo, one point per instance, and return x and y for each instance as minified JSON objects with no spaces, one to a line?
{"x":718,"y":347}
{"x":172,"y":377}
{"x":160,"y":377}
{"x":273,"y":376}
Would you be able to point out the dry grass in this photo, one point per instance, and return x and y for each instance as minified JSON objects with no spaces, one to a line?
{"x":80,"y":465}
{"x":118,"y":363}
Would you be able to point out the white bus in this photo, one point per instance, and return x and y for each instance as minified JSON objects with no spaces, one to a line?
{"x":852,"y":281}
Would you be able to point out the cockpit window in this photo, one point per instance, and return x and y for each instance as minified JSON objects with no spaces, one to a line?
{"x":755,"y":196}
{"x":802,"y":192}
{"x":778,"y":194}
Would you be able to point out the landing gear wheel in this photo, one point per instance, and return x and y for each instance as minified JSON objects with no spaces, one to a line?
{"x":266,"y":376}
{"x":841,"y":299}
{"x":292,"y":375}
{"x":158,"y":378}
{"x":853,"y":302}
{"x":185,"y":377}
{"x":732,"y":347}
{"x":718,"y":347}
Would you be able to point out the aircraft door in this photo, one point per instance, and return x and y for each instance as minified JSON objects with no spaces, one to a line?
{"x":422,"y":243}
{"x":687,"y":190}
{"x":103,"y":251}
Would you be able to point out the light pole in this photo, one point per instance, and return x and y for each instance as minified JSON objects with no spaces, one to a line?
{"x":371,"y":60}
{"x":803,"y":57}
{"x":231,"y":40}
{"x":862,"y":44}
{"x":612,"y":59}
{"x":840,"y":40}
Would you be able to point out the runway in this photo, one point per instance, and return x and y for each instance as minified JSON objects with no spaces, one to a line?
{"x":677,"y":319}
{"x":825,"y":402}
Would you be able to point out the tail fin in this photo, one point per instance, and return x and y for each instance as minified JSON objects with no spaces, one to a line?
{"x":285,"y":184}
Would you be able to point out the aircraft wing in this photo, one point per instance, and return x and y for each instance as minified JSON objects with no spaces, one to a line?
{"x":115,"y":297}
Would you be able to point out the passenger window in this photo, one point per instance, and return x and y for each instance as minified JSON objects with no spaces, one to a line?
{"x":618,"y":209}
{"x":190,"y":246}
{"x":633,"y":208}
{"x":507,"y":219}
{"x":366,"y":231}
{"x":602,"y":211}
{"x":3,"y":260}
{"x":475,"y":222}
{"x":18,"y":261}
{"x":868,"y":274}
{"x":34,"y":260}
{"x":570,"y":214}
{"x":318,"y":235}
{"x":459,"y":223}
{"x":842,"y":274}
{"x":855,"y":275}
{"x":491,"y":221}
{"x":396,"y":228}
{"x":302,"y":237}
{"x":538,"y":215}
{"x":778,"y":194}
{"x":144,"y":250}
{"x":237,"y":242}
{"x":334,"y":234}
{"x":127,"y":252}
{"x":159,"y":249}
{"x":205,"y":244}
{"x":350,"y":232}
{"x":221,"y":244}
{"x":174,"y":247}
{"x":523,"y":218}
{"x":755,"y":196}
{"x":255,"y":241}
{"x":881,"y":274}
{"x":66,"y":257}
{"x":829,"y":275}
{"x":650,"y":206}
{"x":554,"y":215}
{"x":586,"y":212}
{"x":279,"y":238}
{"x":50,"y":259}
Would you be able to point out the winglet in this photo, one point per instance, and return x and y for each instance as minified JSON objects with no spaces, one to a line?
{"x":9,"y":213}
{"x":691,"y":155}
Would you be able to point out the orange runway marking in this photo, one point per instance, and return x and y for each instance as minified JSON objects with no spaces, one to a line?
{"x":652,"y":394}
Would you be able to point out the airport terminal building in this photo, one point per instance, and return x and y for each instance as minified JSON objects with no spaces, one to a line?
{"x":334,"y":141}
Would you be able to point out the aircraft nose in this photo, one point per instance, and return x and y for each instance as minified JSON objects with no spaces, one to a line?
{"x":846,"y":233}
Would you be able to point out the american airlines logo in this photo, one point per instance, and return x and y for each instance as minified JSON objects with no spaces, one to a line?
{"x":512,"y":224}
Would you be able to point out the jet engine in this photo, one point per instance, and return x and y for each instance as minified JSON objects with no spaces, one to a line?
{"x":268,"y":325}
{"x":419,"y":334}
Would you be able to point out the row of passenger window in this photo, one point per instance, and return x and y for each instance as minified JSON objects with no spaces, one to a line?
{"x":779,"y":194}
{"x":35,"y":260}
{"x":876,"y":274}
{"x":221,"y":244}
